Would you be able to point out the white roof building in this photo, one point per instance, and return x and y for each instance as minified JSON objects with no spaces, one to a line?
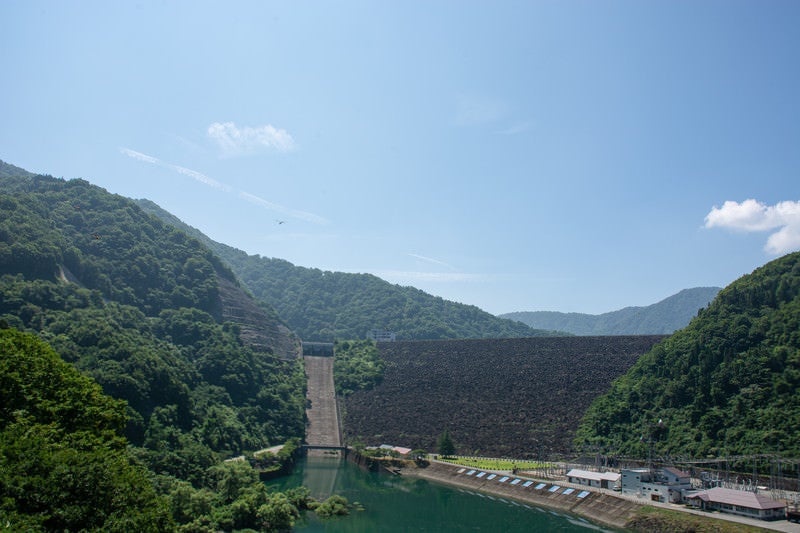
{"x":662,"y":485}
{"x":390,"y":448}
{"x":602,"y":480}
{"x":739,"y":502}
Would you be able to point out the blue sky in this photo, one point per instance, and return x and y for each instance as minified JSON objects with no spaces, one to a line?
{"x":569,"y":156}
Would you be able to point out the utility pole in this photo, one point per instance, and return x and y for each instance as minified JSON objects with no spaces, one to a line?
{"x":755,"y":474}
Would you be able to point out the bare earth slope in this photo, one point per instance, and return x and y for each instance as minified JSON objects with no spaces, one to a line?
{"x":498,"y":397}
{"x":258,"y":329}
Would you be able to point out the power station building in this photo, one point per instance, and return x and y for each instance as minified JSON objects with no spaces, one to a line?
{"x":665,"y":485}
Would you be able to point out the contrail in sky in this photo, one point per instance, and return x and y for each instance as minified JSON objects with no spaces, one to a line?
{"x":302,"y":215}
{"x":211,"y":182}
{"x":434,"y":261}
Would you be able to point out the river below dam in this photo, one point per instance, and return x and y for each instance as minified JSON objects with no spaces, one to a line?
{"x":399,"y":504}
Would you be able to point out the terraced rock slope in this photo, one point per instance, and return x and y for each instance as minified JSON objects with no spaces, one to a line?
{"x":499,"y":397}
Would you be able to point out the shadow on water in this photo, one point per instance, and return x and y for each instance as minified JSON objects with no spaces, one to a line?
{"x":395,"y":504}
{"x":320,"y":475}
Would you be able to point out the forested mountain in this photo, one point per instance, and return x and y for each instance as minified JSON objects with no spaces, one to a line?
{"x":62,"y":454}
{"x":323,"y":306}
{"x":153,"y":316}
{"x":158,"y":321}
{"x":666,"y":316}
{"x":726,"y":384}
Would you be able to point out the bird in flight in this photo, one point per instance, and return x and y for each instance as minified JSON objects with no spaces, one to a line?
{"x":279,"y":222}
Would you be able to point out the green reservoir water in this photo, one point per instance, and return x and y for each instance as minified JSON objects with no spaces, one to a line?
{"x":396,"y":504}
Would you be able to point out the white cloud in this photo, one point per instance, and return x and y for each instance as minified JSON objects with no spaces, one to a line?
{"x":785,"y":240}
{"x":236,"y":141}
{"x":752,"y":215}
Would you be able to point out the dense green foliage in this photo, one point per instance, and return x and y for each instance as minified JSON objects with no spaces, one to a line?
{"x":136,"y":304}
{"x":64,"y":464}
{"x":725,"y":384}
{"x":141,"y":307}
{"x":51,"y":227}
{"x":10,"y":171}
{"x":665,"y":316}
{"x":335,"y":505}
{"x":282,"y":461}
{"x":234,"y":499}
{"x":357,"y":366}
{"x":202,"y":392}
{"x":203,"y":388}
{"x":62,"y":454}
{"x":323,"y":306}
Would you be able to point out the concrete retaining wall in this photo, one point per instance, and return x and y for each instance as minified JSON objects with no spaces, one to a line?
{"x":597,"y":507}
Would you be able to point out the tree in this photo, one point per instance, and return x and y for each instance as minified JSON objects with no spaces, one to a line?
{"x":445,"y":444}
{"x":62,"y":454}
{"x":727,"y":382}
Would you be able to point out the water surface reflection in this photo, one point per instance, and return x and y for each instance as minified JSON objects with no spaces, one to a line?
{"x":395,"y":504}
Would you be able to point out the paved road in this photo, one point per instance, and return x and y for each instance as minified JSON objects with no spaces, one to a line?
{"x":781,"y":525}
{"x":323,"y":418}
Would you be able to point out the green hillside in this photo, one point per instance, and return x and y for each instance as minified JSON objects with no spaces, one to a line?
{"x":662,"y":317}
{"x":153,"y":316}
{"x":726,"y":384}
{"x":199,"y":371}
{"x":61,"y":450}
{"x":322,"y":305}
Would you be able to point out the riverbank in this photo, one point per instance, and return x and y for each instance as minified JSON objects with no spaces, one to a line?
{"x":401,"y":504}
{"x":592,"y":504}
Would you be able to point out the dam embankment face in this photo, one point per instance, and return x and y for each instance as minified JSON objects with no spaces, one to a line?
{"x":519,"y":398}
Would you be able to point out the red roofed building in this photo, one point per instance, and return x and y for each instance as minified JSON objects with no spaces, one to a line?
{"x":738,"y":502}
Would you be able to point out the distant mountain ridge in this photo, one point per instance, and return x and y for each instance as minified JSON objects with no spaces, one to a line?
{"x":664,"y":317}
{"x":323,"y":306}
